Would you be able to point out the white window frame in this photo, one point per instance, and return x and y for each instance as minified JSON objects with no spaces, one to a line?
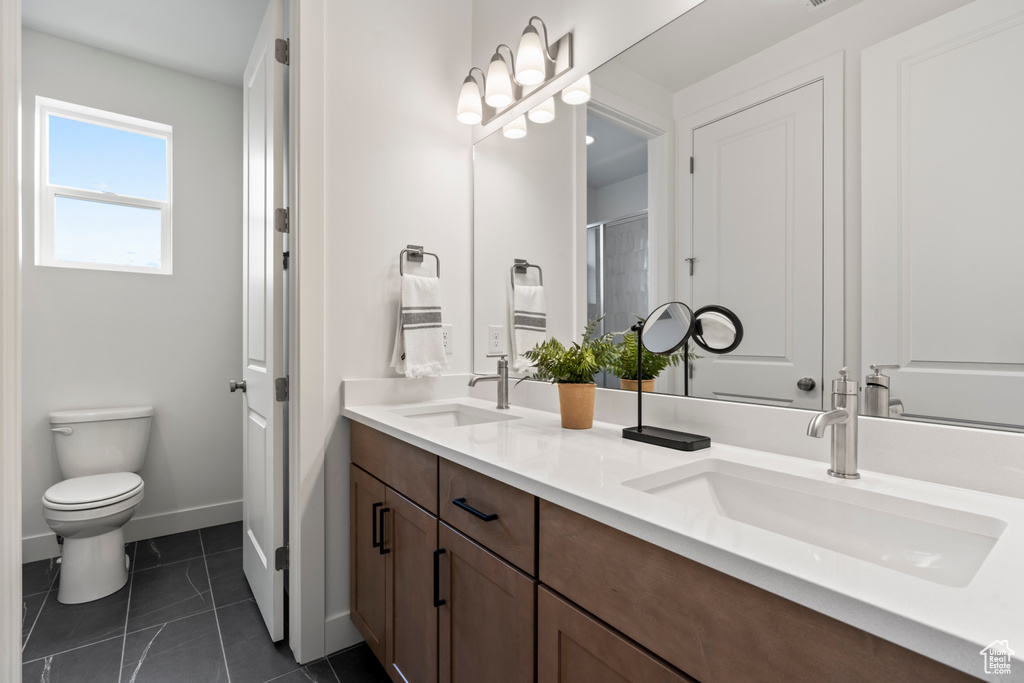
{"x":46,"y":194}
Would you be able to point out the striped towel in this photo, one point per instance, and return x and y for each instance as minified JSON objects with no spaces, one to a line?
{"x":419,"y":351}
{"x":529,"y":323}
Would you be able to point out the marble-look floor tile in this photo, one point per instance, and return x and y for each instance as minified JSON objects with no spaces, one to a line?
{"x":30,"y":606}
{"x":217,"y":539}
{"x":96,"y":663}
{"x":169,"y":592}
{"x":184,"y":651}
{"x":251,"y":655}
{"x":37,"y":577}
{"x":358,"y":664}
{"x":63,"y":627}
{"x":314,"y":672}
{"x":164,"y":550}
{"x":227,"y":579}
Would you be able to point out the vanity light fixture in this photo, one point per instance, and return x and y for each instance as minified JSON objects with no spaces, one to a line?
{"x":590,"y":139}
{"x":516,"y":129}
{"x":535,"y":65}
{"x":543,"y":112}
{"x":578,"y":92}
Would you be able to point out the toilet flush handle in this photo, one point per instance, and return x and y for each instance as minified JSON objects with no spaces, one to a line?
{"x":66,"y":431}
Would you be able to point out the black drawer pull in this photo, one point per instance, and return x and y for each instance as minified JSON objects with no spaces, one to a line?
{"x":376,"y":541}
{"x":437,"y":584}
{"x":461,"y":502}
{"x":383,"y":550}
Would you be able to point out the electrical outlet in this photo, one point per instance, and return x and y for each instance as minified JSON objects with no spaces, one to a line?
{"x":446,"y":338}
{"x":495,"y":340}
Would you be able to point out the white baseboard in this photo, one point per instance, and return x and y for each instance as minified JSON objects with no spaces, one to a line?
{"x":340,"y":633}
{"x":139,"y":528}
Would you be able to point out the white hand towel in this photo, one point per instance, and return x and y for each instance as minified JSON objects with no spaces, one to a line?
{"x":529,"y":323}
{"x":419,"y":351}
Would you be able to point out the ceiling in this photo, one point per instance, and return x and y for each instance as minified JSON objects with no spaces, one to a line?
{"x":206,"y":38}
{"x":616,"y":153}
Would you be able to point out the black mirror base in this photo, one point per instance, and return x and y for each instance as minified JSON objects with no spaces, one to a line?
{"x":667,"y":438}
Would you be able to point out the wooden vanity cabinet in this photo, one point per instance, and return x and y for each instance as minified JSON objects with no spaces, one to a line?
{"x":431,"y":601}
{"x":574,"y":647}
{"x":486,"y":623}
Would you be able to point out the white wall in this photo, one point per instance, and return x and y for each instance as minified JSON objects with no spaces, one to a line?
{"x":397,"y":170}
{"x":619,"y":199}
{"x":98,"y":338}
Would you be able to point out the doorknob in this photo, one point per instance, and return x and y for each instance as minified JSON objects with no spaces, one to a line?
{"x":805,"y":384}
{"x":240,"y":384}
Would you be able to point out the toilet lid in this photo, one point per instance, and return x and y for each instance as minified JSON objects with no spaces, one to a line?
{"x":92,"y":491}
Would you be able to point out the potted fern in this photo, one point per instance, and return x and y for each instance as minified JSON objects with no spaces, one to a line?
{"x":573,"y":368}
{"x":623,"y":363}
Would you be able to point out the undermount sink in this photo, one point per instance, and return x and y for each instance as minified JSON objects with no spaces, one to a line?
{"x":939,"y":544}
{"x":451,"y":415}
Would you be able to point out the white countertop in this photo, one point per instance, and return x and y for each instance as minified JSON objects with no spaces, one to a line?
{"x":584,"y":470}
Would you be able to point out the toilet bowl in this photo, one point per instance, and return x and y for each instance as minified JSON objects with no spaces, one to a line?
{"x":99,"y":451}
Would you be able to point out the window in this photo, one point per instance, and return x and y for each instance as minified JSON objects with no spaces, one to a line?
{"x":103,"y":197}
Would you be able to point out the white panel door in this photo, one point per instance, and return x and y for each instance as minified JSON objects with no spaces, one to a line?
{"x":263,"y":439}
{"x":757,"y":241}
{"x":943,"y":214}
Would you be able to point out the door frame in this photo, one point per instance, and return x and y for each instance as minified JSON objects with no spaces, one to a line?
{"x":307,"y":422}
{"x":10,"y":349}
{"x":829,"y":70}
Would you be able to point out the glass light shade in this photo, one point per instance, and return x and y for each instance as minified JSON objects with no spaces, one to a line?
{"x":590,"y":139}
{"x":470,"y":111}
{"x":578,"y":92}
{"x":516,"y":129}
{"x":498,"y":84}
{"x":543,"y":112}
{"x":530,"y":63}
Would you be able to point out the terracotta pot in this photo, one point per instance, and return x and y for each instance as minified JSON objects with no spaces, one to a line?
{"x":630,"y":384}
{"x":576,"y":404}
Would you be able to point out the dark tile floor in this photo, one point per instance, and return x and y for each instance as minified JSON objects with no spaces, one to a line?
{"x":185,"y":615}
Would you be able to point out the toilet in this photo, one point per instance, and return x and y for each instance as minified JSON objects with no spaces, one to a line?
{"x":99,"y":452}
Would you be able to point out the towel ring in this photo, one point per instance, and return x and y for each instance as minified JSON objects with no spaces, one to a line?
{"x":520,"y":266}
{"x":416,"y":255}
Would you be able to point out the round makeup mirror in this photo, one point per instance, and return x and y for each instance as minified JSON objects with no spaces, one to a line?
{"x":667,"y":328}
{"x":716,"y":329}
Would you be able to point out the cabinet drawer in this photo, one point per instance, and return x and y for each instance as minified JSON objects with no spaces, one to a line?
{"x":511,"y":533}
{"x":696,"y":617}
{"x":409,"y":470}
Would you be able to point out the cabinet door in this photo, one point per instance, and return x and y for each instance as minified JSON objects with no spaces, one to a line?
{"x":410,"y":538}
{"x":574,"y":647}
{"x":486,"y":623}
{"x":368,"y":562}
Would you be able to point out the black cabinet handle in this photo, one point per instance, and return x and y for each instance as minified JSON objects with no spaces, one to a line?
{"x":376,"y":541}
{"x":461,"y":502}
{"x":383,"y":550}
{"x":437,"y":585}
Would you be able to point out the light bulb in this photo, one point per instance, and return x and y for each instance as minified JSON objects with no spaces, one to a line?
{"x":578,"y":92}
{"x":516,"y":129}
{"x":543,"y":112}
{"x":498,"y":84}
{"x":469,"y":111}
{"x":530,"y":64}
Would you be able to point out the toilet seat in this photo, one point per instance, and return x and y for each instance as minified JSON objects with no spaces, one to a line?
{"x":93,"y":491}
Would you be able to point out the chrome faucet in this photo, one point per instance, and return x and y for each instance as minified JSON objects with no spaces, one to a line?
{"x":501,"y":378}
{"x":843,"y":421}
{"x":877,"y":402}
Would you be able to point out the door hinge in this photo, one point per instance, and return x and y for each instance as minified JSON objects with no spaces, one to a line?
{"x":691,"y":164}
{"x":281,"y":220}
{"x":691,"y":261}
{"x":284,"y":256}
{"x":281,"y":389}
{"x":281,"y":558}
{"x":281,"y":50}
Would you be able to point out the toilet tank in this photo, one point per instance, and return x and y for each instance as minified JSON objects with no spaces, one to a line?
{"x":101,"y":440}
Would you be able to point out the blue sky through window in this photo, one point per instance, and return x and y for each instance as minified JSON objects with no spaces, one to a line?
{"x":98,"y":232}
{"x":104,"y":159}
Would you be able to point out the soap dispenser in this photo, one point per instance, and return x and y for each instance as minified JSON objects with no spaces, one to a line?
{"x":876,"y":393}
